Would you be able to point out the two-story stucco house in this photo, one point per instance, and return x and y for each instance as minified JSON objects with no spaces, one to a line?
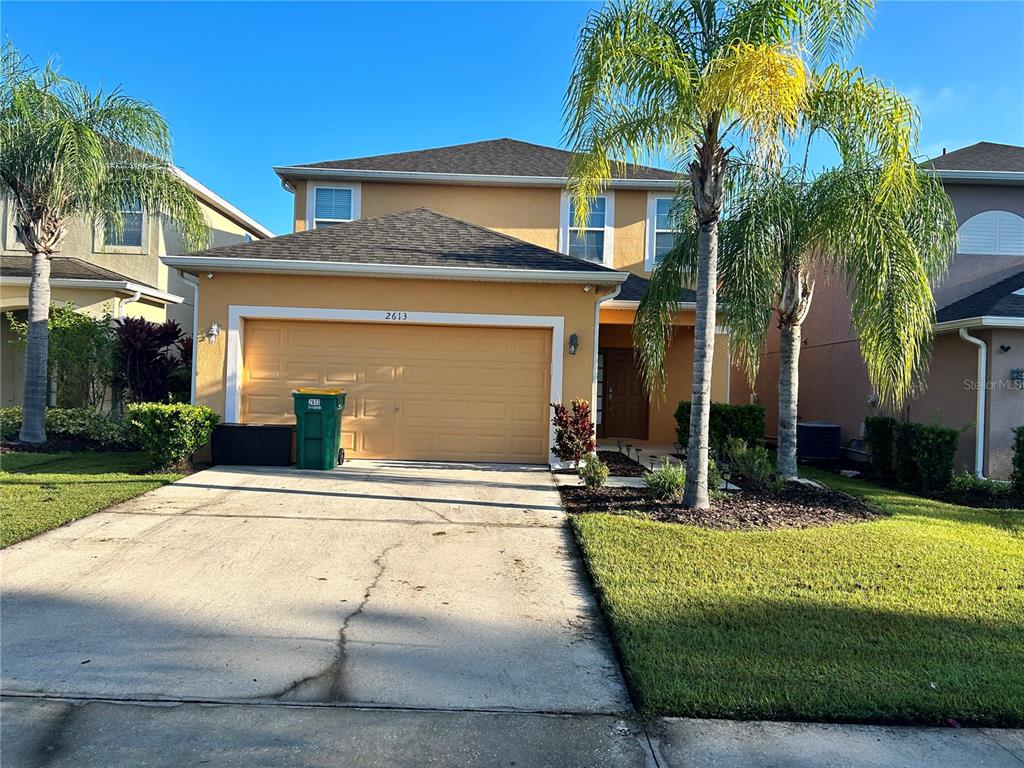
{"x":449,"y":292}
{"x":974,"y":378}
{"x":119,"y":274}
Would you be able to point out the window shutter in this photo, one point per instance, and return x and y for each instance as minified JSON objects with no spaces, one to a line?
{"x":999,"y":233}
{"x":332,"y":203}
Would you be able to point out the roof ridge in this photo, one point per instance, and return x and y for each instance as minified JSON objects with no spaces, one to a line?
{"x":509,"y":237}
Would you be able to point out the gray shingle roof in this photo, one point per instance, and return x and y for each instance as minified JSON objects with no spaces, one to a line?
{"x":998,"y":300}
{"x":635,"y":288}
{"x":420,"y":237}
{"x":64,"y":268}
{"x":983,"y":156}
{"x":497,"y":157}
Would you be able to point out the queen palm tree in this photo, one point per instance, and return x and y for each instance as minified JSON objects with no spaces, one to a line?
{"x":67,"y":154}
{"x":692,"y":80}
{"x":782,"y":229}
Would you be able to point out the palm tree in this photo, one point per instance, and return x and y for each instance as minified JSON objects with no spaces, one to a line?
{"x":685,"y":79}
{"x":889,"y":247}
{"x":68,"y":154}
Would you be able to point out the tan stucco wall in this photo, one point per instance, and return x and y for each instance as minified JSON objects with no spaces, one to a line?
{"x":528,"y":213}
{"x":225,"y":289}
{"x":661,"y":427}
{"x":84,"y":241}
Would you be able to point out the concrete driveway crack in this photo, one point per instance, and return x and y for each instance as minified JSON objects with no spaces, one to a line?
{"x":328,"y":685}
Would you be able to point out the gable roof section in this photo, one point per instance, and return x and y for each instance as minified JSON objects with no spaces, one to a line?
{"x":69,"y":271}
{"x":507,"y":159}
{"x":635,"y":288}
{"x":1004,"y":299}
{"x":416,"y":243}
{"x":983,"y":156}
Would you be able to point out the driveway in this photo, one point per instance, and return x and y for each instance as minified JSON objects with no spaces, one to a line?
{"x":401,"y":584}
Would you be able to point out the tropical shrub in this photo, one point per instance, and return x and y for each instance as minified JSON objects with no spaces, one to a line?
{"x":594,"y":472}
{"x":1017,"y":478}
{"x":754,"y":463}
{"x":742,"y":421}
{"x":969,"y":489}
{"x":923,"y":456}
{"x":667,"y":481}
{"x":170,"y":433}
{"x":879,"y":433}
{"x":80,"y":357}
{"x":72,"y":428}
{"x":150,"y":358}
{"x":574,"y":431}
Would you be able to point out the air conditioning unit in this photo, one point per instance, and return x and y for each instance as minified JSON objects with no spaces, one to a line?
{"x":817,"y":441}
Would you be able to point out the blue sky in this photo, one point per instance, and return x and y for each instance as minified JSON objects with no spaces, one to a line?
{"x":246,"y":86}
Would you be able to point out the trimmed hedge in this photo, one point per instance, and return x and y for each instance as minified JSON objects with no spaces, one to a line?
{"x":879,"y":432}
{"x":1018,"y":461}
{"x":170,"y":434}
{"x":923,"y":456}
{"x":72,"y":428}
{"x":743,"y":421}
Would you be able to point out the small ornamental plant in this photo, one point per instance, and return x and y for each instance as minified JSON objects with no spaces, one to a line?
{"x":574,"y":431}
{"x":594,"y":472}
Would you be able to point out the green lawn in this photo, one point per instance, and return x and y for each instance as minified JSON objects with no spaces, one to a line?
{"x":40,"y":491}
{"x":915,"y":617}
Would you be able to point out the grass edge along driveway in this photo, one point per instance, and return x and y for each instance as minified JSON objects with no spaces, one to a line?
{"x":42,"y":491}
{"x":917,"y":617}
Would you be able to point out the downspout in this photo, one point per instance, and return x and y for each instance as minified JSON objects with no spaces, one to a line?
{"x":979,"y":439}
{"x":125,"y":302}
{"x":597,"y":330}
{"x":193,"y":282}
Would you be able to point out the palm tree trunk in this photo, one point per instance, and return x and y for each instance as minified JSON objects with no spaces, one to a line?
{"x":789,"y":390}
{"x":696,"y":493}
{"x":37,"y":382}
{"x":797,"y":292}
{"x":707,"y":177}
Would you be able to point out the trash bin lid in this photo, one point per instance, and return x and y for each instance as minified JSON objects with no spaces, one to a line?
{"x":318,"y":391}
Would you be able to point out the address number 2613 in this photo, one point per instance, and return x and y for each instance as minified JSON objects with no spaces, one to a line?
{"x":396,"y":315}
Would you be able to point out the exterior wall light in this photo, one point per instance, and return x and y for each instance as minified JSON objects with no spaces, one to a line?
{"x":212,"y":333}
{"x":574,"y":343}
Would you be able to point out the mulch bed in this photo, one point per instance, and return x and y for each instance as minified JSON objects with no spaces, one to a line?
{"x":618,"y":465}
{"x":795,"y":506}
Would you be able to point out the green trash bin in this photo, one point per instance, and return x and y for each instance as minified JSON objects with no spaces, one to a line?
{"x":318,"y":427}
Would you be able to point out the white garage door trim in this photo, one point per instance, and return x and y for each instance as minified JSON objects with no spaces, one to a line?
{"x":238,"y":313}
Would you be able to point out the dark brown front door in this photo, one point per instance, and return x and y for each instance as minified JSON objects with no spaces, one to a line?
{"x":625,"y":402}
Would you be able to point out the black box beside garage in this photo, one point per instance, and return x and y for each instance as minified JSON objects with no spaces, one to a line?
{"x":257,"y":445}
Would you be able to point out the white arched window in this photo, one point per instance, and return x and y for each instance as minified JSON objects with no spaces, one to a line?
{"x":999,"y":233}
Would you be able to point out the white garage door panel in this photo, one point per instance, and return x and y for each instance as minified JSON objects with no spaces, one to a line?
{"x":416,"y":392}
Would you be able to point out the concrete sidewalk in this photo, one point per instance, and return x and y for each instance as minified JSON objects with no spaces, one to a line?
{"x":98,"y":734}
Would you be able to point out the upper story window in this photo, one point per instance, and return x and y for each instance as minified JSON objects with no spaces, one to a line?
{"x":331,"y":204}
{"x":661,"y":230}
{"x":593,"y":241}
{"x":998,"y":233}
{"x":131,"y":235}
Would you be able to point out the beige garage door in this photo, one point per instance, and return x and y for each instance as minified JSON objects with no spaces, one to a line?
{"x":415,"y":391}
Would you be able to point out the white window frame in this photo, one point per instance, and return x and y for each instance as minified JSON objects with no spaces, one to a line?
{"x":609,"y":226}
{"x":997,"y":217}
{"x":312,"y":187}
{"x":100,"y":238}
{"x":652,"y":230}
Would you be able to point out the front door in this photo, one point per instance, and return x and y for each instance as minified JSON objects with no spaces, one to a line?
{"x":625,"y":402}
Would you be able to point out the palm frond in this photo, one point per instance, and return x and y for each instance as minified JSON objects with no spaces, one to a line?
{"x":867,"y":121}
{"x":763,"y":89}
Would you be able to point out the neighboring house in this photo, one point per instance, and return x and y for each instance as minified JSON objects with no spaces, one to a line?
{"x":450,"y":293}
{"x":980,"y":321}
{"x":103,"y":272}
